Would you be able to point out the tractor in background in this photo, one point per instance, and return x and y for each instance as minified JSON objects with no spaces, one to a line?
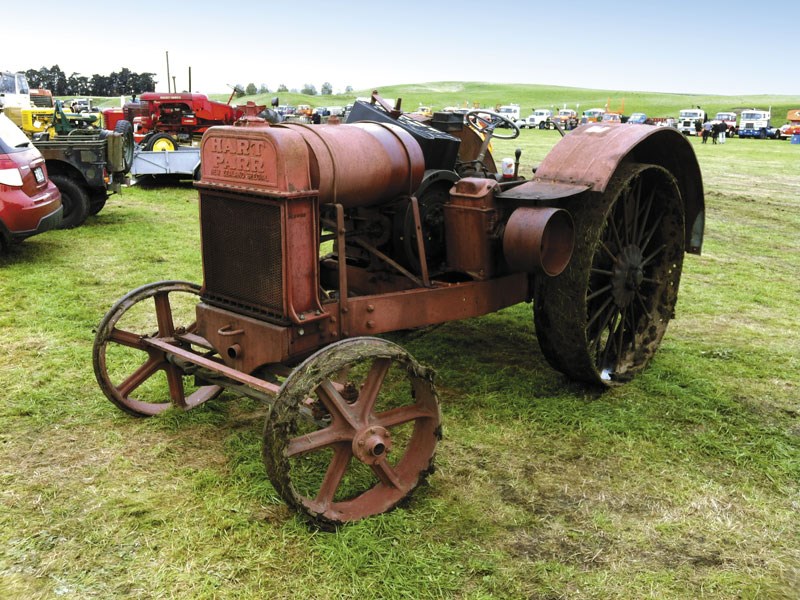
{"x":163,"y":121}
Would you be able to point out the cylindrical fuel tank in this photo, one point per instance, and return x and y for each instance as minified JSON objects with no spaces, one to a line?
{"x":361,"y":164}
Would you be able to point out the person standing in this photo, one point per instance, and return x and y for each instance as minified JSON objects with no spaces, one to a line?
{"x":706,"y":131}
{"x":723,"y":130}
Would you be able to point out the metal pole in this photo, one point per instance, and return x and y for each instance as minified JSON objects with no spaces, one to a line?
{"x":168,"y":89}
{"x":190,"y":80}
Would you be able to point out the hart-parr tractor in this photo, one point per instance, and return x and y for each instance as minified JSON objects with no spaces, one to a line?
{"x":316,"y":239}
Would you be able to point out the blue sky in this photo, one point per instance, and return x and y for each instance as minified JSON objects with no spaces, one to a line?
{"x":682,"y":47}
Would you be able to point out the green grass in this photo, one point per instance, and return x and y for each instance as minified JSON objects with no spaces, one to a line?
{"x":684,"y":483}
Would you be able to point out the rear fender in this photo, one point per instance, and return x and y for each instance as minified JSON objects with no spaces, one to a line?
{"x":589,"y":156}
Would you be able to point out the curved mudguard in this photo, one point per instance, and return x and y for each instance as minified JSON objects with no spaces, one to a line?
{"x":587,"y":157}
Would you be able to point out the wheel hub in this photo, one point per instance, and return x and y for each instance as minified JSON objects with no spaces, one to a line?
{"x":371,"y":444}
{"x":627,"y":275}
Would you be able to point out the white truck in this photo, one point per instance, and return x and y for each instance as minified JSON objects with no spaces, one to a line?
{"x":729,"y":118}
{"x":14,"y":90}
{"x":540,"y":118}
{"x":510,"y":112}
{"x":756,"y":123}
{"x":688,"y":118}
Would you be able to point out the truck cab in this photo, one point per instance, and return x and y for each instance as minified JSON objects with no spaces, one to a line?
{"x":510,"y":112}
{"x":14,"y":90}
{"x":567,"y":118}
{"x":688,"y":118}
{"x":756,"y":123}
{"x":539,"y":119}
{"x":729,"y":118}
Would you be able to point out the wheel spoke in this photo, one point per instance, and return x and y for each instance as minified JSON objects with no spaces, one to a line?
{"x":610,"y":254}
{"x":649,"y":236}
{"x":632,"y":322}
{"x":637,"y":196}
{"x":645,"y":310}
{"x":599,"y":311}
{"x":387,"y":474}
{"x":651,"y":256}
{"x":594,"y":343}
{"x":337,"y":406}
{"x":333,"y":476}
{"x":402,"y":414}
{"x":615,"y":231}
{"x":647,"y":208}
{"x":164,"y":314}
{"x":599,"y":292}
{"x":610,"y":339}
{"x":140,"y":375}
{"x":175,"y":383}
{"x":317,"y":440}
{"x":372,"y":385}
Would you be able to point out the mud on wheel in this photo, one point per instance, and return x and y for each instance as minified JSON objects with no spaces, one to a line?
{"x":140,"y":379}
{"x":353,"y":431}
{"x":603,"y":318}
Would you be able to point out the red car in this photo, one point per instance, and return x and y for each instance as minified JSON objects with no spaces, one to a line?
{"x":29,"y":202}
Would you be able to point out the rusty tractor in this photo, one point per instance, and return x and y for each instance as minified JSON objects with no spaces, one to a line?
{"x":318,"y":238}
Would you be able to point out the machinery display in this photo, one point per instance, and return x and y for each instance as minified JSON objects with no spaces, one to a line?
{"x":86,"y":162}
{"x":161,"y":121}
{"x":318,"y":238}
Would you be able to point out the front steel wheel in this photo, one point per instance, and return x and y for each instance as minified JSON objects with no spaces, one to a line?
{"x":353,"y":431}
{"x":603,"y":318}
{"x":139,"y":379}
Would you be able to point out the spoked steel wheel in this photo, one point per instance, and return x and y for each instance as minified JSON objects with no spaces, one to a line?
{"x":138,"y":378}
{"x":353,"y":431}
{"x":603,"y":318}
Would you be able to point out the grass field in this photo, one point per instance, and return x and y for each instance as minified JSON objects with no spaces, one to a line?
{"x":683,"y":484}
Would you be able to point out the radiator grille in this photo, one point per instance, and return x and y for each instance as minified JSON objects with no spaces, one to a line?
{"x":242,"y":259}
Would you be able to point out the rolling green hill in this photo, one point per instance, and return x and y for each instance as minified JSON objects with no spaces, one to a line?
{"x":528,"y":96}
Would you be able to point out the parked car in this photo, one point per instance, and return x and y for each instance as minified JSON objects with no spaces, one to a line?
{"x":638,"y":118}
{"x":29,"y":202}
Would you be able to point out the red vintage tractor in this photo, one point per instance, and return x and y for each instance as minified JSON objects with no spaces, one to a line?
{"x":162,"y":121}
{"x":318,"y":238}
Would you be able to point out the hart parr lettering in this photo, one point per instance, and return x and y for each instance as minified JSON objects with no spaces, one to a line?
{"x":236,"y":146}
{"x":240,"y":159}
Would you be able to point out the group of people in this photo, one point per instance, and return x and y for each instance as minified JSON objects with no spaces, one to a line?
{"x":716,"y":131}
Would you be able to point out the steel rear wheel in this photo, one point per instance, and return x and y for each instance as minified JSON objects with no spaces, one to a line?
{"x":139,"y":379}
{"x":603,"y":318}
{"x":353,"y":431}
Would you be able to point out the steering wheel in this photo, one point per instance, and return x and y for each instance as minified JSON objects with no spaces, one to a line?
{"x":487,"y":122}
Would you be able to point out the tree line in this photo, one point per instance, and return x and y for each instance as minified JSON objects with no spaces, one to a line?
{"x":123,"y":82}
{"x":307,"y":89}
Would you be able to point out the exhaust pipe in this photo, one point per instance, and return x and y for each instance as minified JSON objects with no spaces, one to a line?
{"x":539,"y":240}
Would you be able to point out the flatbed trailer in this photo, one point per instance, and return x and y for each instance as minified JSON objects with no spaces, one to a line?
{"x":184,"y":160}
